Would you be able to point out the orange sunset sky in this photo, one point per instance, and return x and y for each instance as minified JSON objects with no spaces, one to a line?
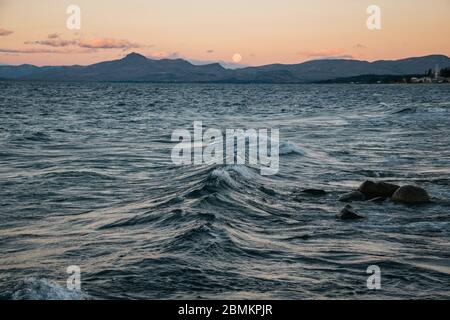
{"x":255,"y":32}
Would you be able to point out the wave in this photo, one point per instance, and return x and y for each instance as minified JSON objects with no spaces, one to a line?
{"x":424,"y":108}
{"x":232,"y":182}
{"x":42,"y":289}
{"x":80,"y":174}
{"x":290,"y":148}
{"x":38,"y":136}
{"x":30,"y":136}
{"x":219,"y":176}
{"x":407,"y":110}
{"x":230,"y":175}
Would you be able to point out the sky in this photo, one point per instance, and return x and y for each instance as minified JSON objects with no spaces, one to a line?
{"x":242,"y":32}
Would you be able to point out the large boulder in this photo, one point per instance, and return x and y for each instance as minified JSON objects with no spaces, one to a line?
{"x":374,"y":190}
{"x":411,"y":194}
{"x":348,"y":213}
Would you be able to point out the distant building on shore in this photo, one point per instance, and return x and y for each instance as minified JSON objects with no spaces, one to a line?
{"x":421,"y":80}
{"x":430,"y":80}
{"x":433,"y":76}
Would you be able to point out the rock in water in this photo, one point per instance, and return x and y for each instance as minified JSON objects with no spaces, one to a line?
{"x":375,"y":190}
{"x":406,"y":110}
{"x":411,"y":194}
{"x":352,"y":196}
{"x":267,"y":191}
{"x":348,"y":213}
{"x":315,"y":192}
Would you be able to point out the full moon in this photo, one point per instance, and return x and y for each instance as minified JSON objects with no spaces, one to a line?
{"x":237,"y":58}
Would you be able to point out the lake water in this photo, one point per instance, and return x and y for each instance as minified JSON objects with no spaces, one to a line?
{"x":86,"y":179}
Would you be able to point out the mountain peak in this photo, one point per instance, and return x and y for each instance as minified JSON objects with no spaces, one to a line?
{"x":134,"y":56}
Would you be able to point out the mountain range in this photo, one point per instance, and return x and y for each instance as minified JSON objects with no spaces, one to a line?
{"x":138,"y":68}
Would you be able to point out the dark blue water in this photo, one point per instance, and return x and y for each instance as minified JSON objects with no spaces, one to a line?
{"x":86,"y":179}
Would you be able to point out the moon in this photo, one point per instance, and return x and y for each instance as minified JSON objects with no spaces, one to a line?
{"x":237,"y":58}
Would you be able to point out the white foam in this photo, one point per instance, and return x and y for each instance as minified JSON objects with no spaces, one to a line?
{"x":42,"y":289}
{"x":222,"y":175}
{"x":230,"y":173}
{"x":289,"y":148}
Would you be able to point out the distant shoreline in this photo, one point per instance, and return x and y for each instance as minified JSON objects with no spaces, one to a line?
{"x":387,"y":79}
{"x":340,"y":81}
{"x":137,"y":68}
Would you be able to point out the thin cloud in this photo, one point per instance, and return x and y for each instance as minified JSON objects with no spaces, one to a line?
{"x":320,"y":53}
{"x":32,"y":50}
{"x":5,"y":32}
{"x":359,"y":46}
{"x":54,"y":40}
{"x":53,"y":35}
{"x":44,"y":50}
{"x":106,"y":43}
{"x":325,"y":54}
{"x":210,"y":51}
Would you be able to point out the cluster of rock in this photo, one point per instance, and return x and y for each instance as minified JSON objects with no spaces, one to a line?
{"x":370,"y":190}
{"x":380,"y":191}
{"x":374,"y":192}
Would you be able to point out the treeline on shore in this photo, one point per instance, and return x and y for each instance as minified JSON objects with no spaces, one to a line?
{"x":430,"y":75}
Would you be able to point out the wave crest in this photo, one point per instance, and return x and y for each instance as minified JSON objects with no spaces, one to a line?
{"x":290,"y":148}
{"x":42,"y":289}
